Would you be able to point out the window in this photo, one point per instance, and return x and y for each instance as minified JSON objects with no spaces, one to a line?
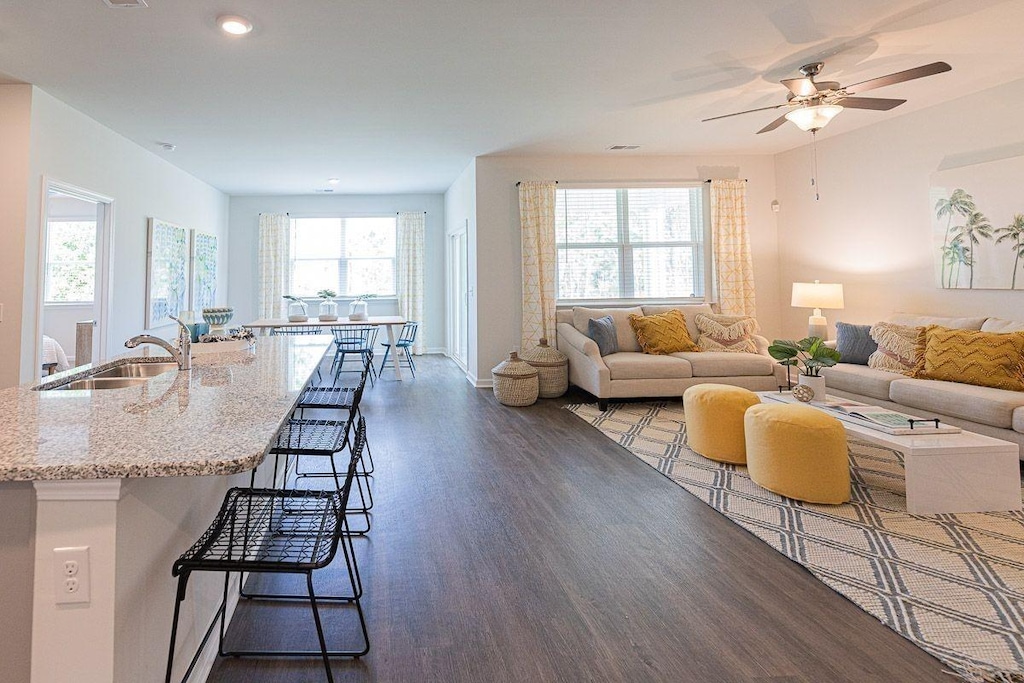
{"x":635,"y":243}
{"x":70,"y":262}
{"x":352,"y":256}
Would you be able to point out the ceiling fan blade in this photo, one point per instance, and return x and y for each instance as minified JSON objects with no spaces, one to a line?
{"x":876,"y":103}
{"x":725,"y":116}
{"x":773,"y":125}
{"x":800,"y":87}
{"x":899,"y":77}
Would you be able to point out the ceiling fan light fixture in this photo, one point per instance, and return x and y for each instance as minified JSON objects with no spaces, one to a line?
{"x":813,"y":117}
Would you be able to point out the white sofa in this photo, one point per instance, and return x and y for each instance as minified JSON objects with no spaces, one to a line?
{"x":995,"y":412}
{"x":630,"y":373}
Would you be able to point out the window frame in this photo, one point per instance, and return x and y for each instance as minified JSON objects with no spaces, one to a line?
{"x":47,"y":262}
{"x":342,"y":269}
{"x":624,"y":248}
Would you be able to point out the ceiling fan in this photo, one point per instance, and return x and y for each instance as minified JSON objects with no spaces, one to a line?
{"x":812,"y":104}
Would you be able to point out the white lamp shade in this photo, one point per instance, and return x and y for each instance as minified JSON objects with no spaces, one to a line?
{"x":817,"y":295}
{"x":813,"y":118}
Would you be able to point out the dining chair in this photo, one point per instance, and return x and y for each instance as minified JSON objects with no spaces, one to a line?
{"x":403,"y":345}
{"x":355,"y":340}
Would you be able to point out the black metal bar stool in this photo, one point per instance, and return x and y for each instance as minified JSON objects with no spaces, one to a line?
{"x":276,"y":531}
{"x":326,"y":438}
{"x":339,"y":397}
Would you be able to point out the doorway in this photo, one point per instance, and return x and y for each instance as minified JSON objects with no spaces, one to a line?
{"x":74,"y":277}
{"x":458,"y":296}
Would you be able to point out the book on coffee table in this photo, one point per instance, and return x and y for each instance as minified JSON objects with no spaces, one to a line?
{"x":883,"y":419}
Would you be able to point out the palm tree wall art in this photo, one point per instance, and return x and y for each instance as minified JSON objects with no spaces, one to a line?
{"x":972,"y":252}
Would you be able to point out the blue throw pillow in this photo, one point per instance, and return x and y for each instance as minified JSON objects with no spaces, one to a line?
{"x":602,"y":330}
{"x":854,"y":343}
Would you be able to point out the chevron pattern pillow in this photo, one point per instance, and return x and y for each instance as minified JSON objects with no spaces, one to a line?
{"x":987,"y":359}
{"x":732,"y":333}
{"x":662,"y":334}
{"x":899,"y":348}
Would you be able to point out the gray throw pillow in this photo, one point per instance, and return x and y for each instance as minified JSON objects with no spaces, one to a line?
{"x":854,"y":343}
{"x":602,"y":331}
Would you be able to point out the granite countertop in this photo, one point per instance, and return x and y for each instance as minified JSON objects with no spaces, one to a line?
{"x":217,"y":418}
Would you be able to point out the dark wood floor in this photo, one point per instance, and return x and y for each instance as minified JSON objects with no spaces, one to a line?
{"x":522,"y":545}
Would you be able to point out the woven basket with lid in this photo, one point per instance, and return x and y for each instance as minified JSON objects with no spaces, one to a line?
{"x":552,"y":369}
{"x":515,"y":382}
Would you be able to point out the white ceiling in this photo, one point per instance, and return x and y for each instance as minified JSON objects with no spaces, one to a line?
{"x":399,"y":95}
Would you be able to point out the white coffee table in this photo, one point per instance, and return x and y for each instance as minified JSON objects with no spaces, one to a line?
{"x":963,"y":472}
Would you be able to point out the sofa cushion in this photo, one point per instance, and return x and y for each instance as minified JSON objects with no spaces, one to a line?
{"x":899,"y":347}
{"x":689,"y":311}
{"x":623,"y":332}
{"x":1002,"y":325}
{"x":986,"y":359}
{"x":663,"y":333}
{"x":727,"y":364}
{"x":602,"y":331}
{"x":912,"y":320}
{"x":993,"y":407}
{"x":729,"y":333}
{"x":634,"y":365}
{"x":854,"y":343}
{"x":859,"y":379}
{"x":1018,"y":420}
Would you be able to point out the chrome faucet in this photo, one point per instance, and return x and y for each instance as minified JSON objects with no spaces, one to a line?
{"x":182,"y":355}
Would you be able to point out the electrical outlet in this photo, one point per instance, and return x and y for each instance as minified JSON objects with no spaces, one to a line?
{"x":71,"y":575}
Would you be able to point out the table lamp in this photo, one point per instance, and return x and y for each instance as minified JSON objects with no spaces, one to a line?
{"x":817,"y":295}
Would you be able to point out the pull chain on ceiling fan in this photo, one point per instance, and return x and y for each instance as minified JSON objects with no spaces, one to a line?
{"x":812,"y":104}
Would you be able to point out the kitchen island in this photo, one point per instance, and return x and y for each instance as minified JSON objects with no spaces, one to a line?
{"x":135,"y":474}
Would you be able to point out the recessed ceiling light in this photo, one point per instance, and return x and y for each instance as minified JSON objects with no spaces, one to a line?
{"x":233,"y":24}
{"x":167,"y":146}
{"x":333,"y":181}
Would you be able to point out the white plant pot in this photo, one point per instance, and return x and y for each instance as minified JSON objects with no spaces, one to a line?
{"x":357,"y":310}
{"x":817,"y":384}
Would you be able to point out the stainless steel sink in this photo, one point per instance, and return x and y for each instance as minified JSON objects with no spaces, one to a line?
{"x":142,"y":370}
{"x":93,"y":383}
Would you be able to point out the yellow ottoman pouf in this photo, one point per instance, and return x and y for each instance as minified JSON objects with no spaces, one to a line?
{"x":714,"y":421}
{"x":798,"y":452}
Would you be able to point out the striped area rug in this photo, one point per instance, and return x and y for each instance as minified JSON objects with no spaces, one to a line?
{"x":952,"y":584}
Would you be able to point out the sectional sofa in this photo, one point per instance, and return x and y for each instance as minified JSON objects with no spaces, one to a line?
{"x":995,"y":412}
{"x":633,"y":374}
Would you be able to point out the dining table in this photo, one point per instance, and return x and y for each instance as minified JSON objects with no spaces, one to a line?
{"x":388,"y":322}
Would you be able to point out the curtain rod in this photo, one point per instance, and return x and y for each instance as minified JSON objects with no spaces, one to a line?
{"x":518,"y":183}
{"x":710,"y":179}
{"x":262,"y":212}
{"x":398,"y":213}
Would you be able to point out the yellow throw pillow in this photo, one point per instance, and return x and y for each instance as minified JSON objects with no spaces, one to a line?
{"x":987,"y":359}
{"x":732,"y":333}
{"x":900,"y":348}
{"x":662,"y":334}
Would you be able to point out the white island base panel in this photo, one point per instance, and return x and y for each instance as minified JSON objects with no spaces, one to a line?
{"x":947,"y":473}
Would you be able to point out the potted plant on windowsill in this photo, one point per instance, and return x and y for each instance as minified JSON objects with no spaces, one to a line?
{"x":809,"y":355}
{"x":328,"y":311}
{"x":357,"y":309}
{"x":297,"y":312}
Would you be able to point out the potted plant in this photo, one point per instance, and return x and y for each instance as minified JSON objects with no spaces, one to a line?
{"x":328,"y":307}
{"x":357,"y":309}
{"x":296,"y":309}
{"x":809,"y":355}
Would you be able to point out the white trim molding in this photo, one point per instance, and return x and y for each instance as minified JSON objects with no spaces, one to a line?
{"x":78,"y":489}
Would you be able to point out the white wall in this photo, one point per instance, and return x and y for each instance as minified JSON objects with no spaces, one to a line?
{"x":70,"y":147}
{"x":871,"y":230}
{"x":460,"y":207}
{"x":245,"y":211}
{"x":497,"y":248}
{"x":15,"y":123}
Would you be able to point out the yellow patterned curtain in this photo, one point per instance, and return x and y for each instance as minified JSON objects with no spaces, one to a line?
{"x":537,"y":218}
{"x":275,"y":264}
{"x":734,"y":266}
{"x":411,"y":246}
